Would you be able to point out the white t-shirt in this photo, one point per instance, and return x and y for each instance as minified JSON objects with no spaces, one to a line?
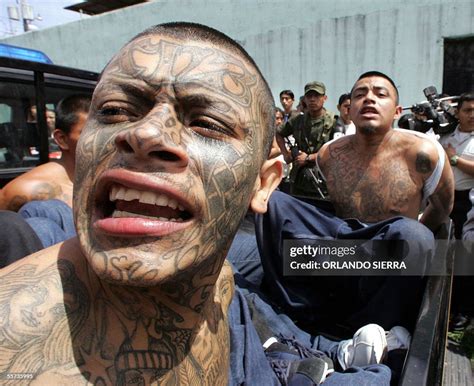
{"x":463,"y":143}
{"x":349,"y":129}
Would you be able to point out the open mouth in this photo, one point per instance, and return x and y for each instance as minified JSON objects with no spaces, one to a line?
{"x":127,"y":202}
{"x":368,"y":110}
{"x":131,"y":204}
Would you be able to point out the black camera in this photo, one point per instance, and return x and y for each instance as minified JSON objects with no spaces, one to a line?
{"x":294,"y":151}
{"x":436,"y":113}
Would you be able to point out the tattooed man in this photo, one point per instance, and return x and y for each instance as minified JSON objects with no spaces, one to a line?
{"x":172,"y":155}
{"x":378,"y":180}
{"x":379,"y":172}
{"x":52,"y":180}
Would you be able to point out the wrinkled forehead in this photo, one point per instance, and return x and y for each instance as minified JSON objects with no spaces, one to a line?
{"x":168,"y":60}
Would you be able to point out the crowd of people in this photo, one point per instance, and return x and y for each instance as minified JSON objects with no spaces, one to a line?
{"x":161,"y":241}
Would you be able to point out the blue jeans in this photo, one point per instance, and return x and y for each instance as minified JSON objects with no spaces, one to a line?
{"x":52,"y":220}
{"x":318,"y":303}
{"x":244,"y":255}
{"x":248,"y":363}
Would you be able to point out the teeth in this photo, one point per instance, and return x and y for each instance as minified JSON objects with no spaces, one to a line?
{"x":120,"y":193}
{"x":131,"y":194}
{"x":113,"y":193}
{"x":173,"y":204}
{"x":126,"y":194}
{"x":161,"y":200}
{"x":147,"y":198}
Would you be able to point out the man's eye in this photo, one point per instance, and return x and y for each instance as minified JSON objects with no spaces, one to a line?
{"x":115,"y":115}
{"x":210,"y":128}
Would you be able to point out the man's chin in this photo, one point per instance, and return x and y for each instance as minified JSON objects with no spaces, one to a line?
{"x":142,"y":265}
{"x":367,"y":129}
{"x":127,"y":270}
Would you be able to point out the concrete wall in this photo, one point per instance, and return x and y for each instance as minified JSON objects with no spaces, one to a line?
{"x":406,"y":43}
{"x":292,"y":41}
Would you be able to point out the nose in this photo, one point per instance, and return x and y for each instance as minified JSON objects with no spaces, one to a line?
{"x":156,"y":139}
{"x":369,"y":97}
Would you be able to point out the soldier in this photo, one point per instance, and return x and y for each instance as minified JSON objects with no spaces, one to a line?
{"x":310,"y":131}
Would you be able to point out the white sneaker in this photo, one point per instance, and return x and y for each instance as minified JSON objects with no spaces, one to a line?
{"x":367,"y":347}
{"x":398,"y":337}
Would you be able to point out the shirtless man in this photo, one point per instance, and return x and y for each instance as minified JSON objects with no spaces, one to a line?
{"x":379,"y":172}
{"x":52,"y":180}
{"x":378,"y":180}
{"x":172,"y":155}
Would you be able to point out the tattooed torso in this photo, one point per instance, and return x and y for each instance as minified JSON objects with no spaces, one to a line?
{"x":60,"y":325}
{"x":45,"y":182}
{"x":379,"y":184}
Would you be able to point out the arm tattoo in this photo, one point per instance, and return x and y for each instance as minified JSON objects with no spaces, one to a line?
{"x":16,"y":203}
{"x":41,"y":191}
{"x":423,"y":163}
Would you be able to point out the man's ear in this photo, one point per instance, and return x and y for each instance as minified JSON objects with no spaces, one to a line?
{"x":267,"y":181}
{"x":398,"y":111}
{"x":61,"y":139}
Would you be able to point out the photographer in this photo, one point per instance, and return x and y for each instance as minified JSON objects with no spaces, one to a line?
{"x":311,"y":131}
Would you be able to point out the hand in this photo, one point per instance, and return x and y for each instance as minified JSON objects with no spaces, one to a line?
{"x":450,"y":150}
{"x":301,"y":159}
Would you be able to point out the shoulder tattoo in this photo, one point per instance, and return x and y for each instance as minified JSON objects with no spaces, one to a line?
{"x":423,"y":163}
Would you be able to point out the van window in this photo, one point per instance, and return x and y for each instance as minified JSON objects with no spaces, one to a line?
{"x":25,"y":138}
{"x":17,"y":135}
{"x":5,"y":113}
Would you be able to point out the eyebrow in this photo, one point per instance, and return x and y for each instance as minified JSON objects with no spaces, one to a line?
{"x":198,"y":100}
{"x":197,"y":95}
{"x":366,"y":88}
{"x":137,"y":91}
{"x":150,"y":91}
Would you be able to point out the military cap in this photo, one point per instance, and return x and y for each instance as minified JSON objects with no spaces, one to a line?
{"x":319,"y":87}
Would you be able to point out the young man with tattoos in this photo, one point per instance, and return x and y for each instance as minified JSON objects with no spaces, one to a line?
{"x":378,"y":180}
{"x":52,"y":180}
{"x":172,"y":155}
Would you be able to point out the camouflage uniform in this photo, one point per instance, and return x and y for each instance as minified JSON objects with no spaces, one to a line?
{"x":309,"y":135}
